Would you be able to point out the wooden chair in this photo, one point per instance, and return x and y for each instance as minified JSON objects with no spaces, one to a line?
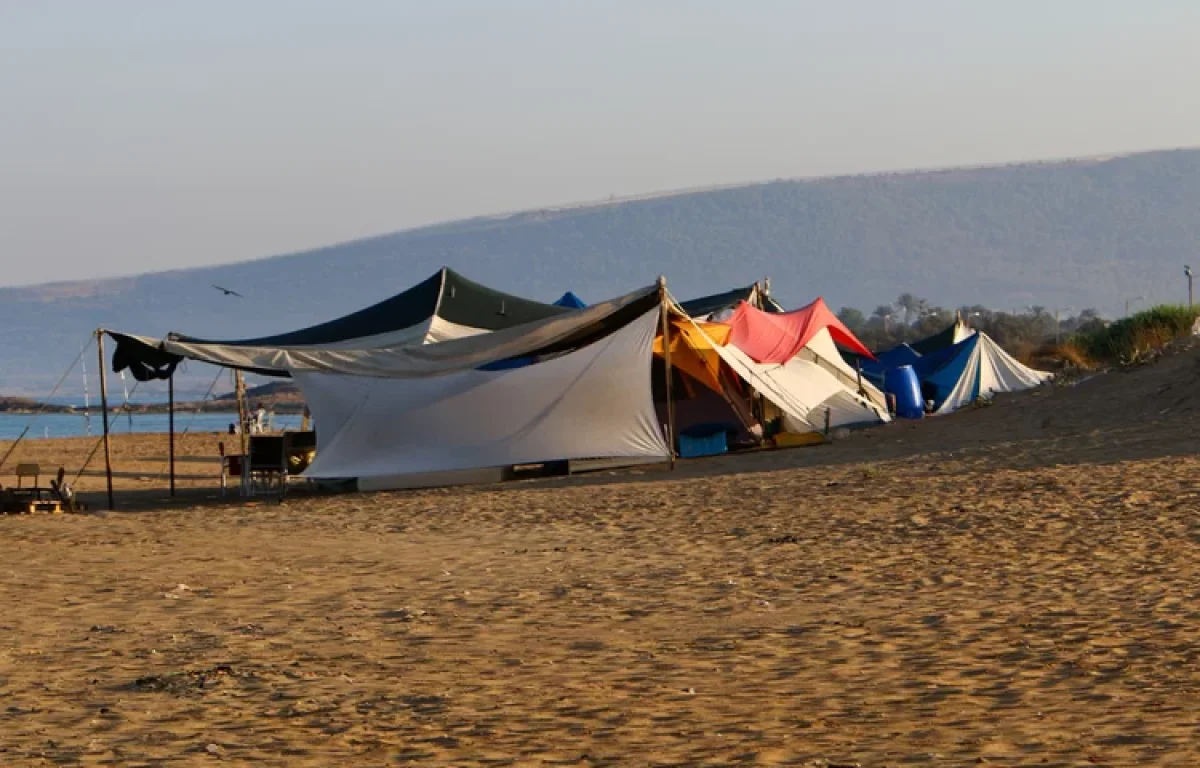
{"x":26,"y":471}
{"x":30,"y":498}
{"x":266,"y":467}
{"x":231,"y":466}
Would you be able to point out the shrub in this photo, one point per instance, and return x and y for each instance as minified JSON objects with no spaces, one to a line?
{"x":1131,"y":338}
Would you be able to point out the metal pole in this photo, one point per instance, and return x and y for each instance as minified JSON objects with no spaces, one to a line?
{"x":666,"y":334}
{"x":104,"y":416}
{"x":171,"y":426}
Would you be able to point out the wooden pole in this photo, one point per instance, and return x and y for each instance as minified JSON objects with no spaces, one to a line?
{"x":239,"y":386}
{"x":666,"y":334}
{"x":171,"y":426}
{"x":104,"y":416}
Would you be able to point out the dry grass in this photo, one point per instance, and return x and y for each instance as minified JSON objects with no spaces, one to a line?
{"x":1066,"y":355}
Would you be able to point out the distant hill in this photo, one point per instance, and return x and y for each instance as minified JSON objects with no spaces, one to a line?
{"x":1086,"y":233}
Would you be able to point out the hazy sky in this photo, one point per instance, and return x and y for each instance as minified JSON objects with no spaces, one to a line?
{"x":163,"y":133}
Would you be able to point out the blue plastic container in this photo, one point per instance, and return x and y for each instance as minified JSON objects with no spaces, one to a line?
{"x":903,"y":384}
{"x":710,"y":445}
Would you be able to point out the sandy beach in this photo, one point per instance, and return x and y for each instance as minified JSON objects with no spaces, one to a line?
{"x":1011,"y":585}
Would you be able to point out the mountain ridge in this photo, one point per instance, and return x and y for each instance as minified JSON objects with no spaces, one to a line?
{"x":1080,"y":232}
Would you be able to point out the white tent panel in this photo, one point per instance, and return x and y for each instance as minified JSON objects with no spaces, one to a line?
{"x":593,"y":402}
{"x":845,"y":409}
{"x":823,"y":350}
{"x":432,"y":330}
{"x":802,"y":389}
{"x":1001,"y":372}
{"x":962,"y":331}
{"x":966,"y":389}
{"x":440,"y":330}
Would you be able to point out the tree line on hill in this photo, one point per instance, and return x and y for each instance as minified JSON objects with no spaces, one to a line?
{"x":911,"y":318}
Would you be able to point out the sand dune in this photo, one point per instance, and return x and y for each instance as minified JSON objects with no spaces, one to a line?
{"x":1013,"y":585}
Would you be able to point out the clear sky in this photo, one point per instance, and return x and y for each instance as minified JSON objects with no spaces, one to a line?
{"x":147,"y":135}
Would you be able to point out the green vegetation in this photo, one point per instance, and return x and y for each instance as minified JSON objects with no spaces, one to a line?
{"x":912,"y":318}
{"x":1081,"y":341}
{"x":1134,"y":338}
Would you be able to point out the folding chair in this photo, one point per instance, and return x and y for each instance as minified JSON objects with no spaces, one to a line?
{"x":231,"y":466}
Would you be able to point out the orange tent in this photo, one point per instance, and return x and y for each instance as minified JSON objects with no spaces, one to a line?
{"x":692,"y":352}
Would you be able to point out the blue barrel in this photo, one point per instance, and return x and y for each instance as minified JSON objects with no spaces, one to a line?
{"x":902,"y":382}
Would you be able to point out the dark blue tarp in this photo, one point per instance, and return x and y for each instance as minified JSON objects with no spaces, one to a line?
{"x":938,"y":371}
{"x":571,"y":301}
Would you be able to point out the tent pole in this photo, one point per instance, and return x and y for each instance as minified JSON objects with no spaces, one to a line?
{"x":239,"y":386}
{"x":171,"y":426}
{"x":104,"y":416}
{"x":666,"y":334}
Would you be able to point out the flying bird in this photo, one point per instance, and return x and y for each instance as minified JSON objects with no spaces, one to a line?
{"x":228,"y":292}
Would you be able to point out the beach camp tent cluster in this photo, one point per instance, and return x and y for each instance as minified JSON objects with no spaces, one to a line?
{"x":451,"y":377}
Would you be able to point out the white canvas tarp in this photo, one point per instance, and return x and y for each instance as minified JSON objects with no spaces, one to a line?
{"x":821,"y":349}
{"x":593,"y":402}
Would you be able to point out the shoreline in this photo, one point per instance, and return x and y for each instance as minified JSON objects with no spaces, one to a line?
{"x":288,"y":409}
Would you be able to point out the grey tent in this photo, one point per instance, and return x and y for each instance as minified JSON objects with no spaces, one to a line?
{"x":442,"y":307}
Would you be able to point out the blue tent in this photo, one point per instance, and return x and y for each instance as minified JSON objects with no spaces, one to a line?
{"x":942,"y":371}
{"x":952,"y":373}
{"x":570,"y":300}
{"x":975,"y":367}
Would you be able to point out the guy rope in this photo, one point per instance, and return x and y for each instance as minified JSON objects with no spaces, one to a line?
{"x":44,"y":404}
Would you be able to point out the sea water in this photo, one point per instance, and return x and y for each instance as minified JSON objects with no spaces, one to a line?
{"x":81,"y":424}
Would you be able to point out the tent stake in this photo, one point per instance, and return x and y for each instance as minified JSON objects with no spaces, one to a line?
{"x":666,"y":334}
{"x":104,"y":417}
{"x":171,"y":427}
